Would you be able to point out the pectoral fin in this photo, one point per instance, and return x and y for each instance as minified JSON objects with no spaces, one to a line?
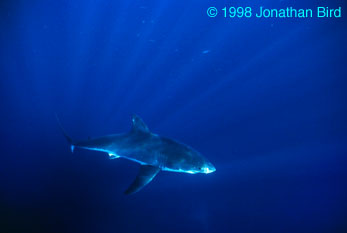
{"x":113,"y":156}
{"x":146,"y":174}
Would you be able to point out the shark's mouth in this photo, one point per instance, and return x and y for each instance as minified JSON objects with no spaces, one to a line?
{"x":207,"y":170}
{"x":179,"y":170}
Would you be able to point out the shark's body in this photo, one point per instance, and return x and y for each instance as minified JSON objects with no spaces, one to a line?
{"x":152,"y":151}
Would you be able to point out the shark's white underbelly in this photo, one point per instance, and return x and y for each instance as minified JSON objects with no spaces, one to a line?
{"x":114,"y":155}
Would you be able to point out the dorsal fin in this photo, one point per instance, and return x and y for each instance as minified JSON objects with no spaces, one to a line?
{"x":139,"y":125}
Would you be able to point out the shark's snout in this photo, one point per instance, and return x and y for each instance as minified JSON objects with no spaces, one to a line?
{"x":209,"y":168}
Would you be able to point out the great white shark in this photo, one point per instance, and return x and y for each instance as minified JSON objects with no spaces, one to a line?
{"x":153,"y":152}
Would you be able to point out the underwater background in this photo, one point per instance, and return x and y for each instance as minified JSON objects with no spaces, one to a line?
{"x":263,"y":99}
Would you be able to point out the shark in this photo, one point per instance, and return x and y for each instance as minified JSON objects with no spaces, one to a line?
{"x":154,"y":153}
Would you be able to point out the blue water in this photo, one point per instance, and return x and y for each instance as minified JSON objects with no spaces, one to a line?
{"x":263,"y":99}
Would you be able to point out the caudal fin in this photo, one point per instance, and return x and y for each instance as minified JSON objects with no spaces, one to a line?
{"x":68,"y":138}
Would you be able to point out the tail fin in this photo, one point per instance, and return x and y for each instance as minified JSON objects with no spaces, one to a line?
{"x":68,"y":138}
